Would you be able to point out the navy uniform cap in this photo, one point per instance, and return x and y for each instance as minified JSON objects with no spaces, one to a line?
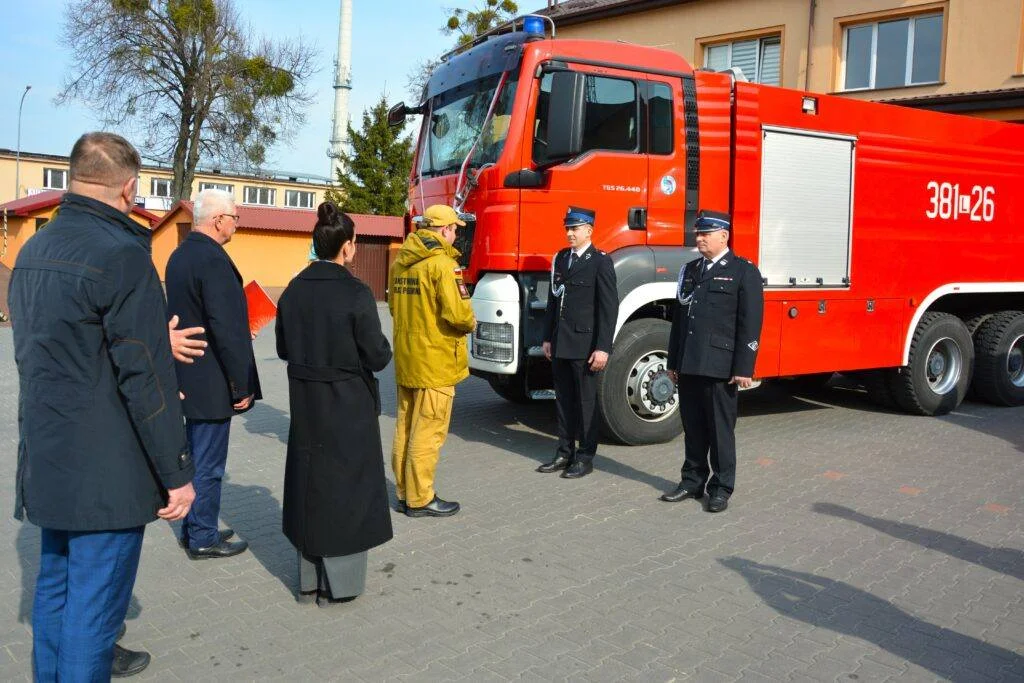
{"x":578,"y":216}
{"x":710,"y":221}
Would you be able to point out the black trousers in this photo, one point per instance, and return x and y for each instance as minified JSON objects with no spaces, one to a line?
{"x":576,"y":405}
{"x":708,"y":406}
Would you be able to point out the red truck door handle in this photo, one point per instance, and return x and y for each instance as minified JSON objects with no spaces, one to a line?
{"x":637,"y":218}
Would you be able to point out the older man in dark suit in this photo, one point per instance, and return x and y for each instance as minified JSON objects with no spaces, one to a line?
{"x":579,"y":324}
{"x":205,"y":289}
{"x":716,"y":329}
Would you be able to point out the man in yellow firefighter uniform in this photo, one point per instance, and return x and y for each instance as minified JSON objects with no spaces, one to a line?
{"x":432,"y":315}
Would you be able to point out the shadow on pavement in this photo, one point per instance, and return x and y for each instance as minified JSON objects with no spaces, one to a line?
{"x":1009,"y":561}
{"x":266,"y":420}
{"x":840,"y":607}
{"x":528,"y":430}
{"x":255,"y":515}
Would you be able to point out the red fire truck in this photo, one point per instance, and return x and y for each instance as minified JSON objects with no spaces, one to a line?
{"x":891,"y":240}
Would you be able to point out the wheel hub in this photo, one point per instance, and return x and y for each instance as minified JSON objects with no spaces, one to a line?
{"x":650,"y":391}
{"x":1015,"y":362}
{"x":944,"y":366}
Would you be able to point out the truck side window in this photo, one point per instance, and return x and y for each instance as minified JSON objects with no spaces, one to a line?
{"x":659,"y":118}
{"x":610,"y":114}
{"x":540,"y":121}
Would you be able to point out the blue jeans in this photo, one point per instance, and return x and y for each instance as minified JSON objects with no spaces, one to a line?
{"x":82,"y":593}
{"x":208,"y":441}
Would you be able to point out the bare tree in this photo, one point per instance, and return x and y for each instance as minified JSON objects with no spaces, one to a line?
{"x":189,"y":77}
{"x":465,"y":25}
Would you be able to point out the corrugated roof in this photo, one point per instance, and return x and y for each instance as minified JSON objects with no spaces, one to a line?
{"x":577,"y":11}
{"x":299,"y":220}
{"x":45,"y":200}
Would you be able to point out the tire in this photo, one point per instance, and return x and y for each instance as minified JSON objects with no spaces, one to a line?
{"x":999,"y":359}
{"x":939,"y":372}
{"x":878,"y":384}
{"x":512,"y":388}
{"x":627,"y":398}
{"x":973,"y":323}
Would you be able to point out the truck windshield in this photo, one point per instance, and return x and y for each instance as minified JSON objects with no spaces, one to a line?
{"x":457,"y":119}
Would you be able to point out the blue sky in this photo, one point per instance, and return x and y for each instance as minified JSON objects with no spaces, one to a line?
{"x":389,"y":37}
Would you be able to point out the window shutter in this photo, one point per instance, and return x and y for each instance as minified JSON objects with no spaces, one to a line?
{"x":744,"y":56}
{"x":716,"y":57}
{"x":771,"y":50}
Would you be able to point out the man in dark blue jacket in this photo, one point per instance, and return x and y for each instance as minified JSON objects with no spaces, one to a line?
{"x":102,"y":450}
{"x":205,"y":289}
{"x":716,"y":329}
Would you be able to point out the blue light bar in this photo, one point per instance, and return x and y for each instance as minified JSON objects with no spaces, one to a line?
{"x":533,"y":25}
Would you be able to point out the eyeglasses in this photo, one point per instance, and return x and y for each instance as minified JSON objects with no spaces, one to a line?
{"x":229,"y":215}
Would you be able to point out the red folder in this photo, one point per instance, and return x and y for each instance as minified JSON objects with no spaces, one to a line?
{"x":261,"y":307}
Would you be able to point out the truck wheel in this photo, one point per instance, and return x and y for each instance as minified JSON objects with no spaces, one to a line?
{"x":999,"y":359}
{"x":973,"y":323}
{"x":637,"y":399}
{"x":939,"y":373}
{"x":878,"y":384}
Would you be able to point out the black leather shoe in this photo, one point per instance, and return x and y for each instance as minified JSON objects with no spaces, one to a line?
{"x":306,"y":597}
{"x":435,"y":508}
{"x":718,"y":503}
{"x":128,"y":662}
{"x":225,"y":534}
{"x":580,"y":468}
{"x":323,"y":601}
{"x":559,"y":463}
{"x":222,"y":549}
{"x":682,"y":492}
{"x":400,"y":506}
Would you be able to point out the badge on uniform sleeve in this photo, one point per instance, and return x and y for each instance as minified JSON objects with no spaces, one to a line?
{"x":752,"y":346}
{"x":463,"y":290}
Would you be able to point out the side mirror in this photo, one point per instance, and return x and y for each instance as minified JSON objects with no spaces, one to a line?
{"x":397,"y":114}
{"x":565,"y":115}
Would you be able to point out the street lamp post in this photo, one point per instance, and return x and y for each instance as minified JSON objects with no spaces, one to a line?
{"x":17,"y":154}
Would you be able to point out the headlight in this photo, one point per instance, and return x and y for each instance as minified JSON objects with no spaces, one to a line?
{"x":494,"y":332}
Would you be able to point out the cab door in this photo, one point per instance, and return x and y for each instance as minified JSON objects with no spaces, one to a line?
{"x":607,"y":172}
{"x":666,"y":196}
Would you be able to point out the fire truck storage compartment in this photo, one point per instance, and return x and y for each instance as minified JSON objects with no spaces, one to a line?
{"x":806,"y":193}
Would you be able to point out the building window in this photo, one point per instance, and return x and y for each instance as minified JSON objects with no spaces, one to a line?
{"x":55,"y":178}
{"x":264,"y":196}
{"x":892,"y":54}
{"x":160,"y":187}
{"x":217,"y":186}
{"x":298,"y":199}
{"x":757,"y":58}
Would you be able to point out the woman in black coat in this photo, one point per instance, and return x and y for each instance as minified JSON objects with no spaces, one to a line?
{"x":335,"y":497}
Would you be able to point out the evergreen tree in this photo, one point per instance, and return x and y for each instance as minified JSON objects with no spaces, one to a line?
{"x":375,"y":176}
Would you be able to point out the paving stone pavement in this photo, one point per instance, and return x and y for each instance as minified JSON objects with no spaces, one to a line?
{"x":860,"y":546}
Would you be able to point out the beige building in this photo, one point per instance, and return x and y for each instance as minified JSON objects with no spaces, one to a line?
{"x":964,"y":56}
{"x":42,"y":172}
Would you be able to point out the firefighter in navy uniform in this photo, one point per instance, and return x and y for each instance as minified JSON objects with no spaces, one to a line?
{"x":579,"y":324}
{"x":716,"y":328}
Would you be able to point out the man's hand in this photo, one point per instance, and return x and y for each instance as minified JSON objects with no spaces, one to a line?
{"x":183,"y":348}
{"x":743,"y":382}
{"x":179,"y":501}
{"x":547,"y":349}
{"x":244,"y":403}
{"x":673,"y":375}
{"x":597,"y":360}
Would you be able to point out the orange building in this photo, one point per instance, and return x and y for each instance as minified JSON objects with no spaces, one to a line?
{"x":272,"y":245}
{"x":19,"y":220}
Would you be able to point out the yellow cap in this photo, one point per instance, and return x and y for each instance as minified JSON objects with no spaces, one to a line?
{"x":439,"y":215}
